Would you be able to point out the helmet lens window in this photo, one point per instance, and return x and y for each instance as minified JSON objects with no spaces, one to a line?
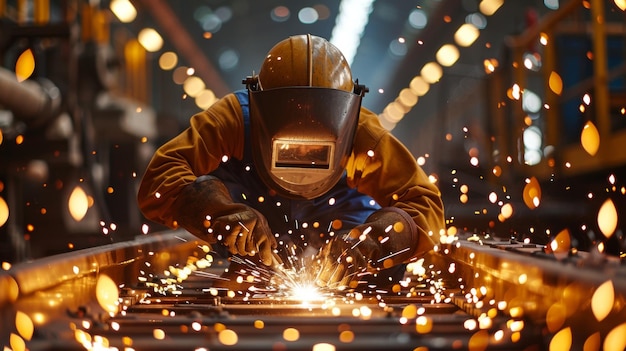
{"x":302,"y":154}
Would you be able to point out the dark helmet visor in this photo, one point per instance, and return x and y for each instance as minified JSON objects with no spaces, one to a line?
{"x":302,"y":137}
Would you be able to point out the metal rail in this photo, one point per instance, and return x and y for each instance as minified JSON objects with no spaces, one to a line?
{"x":470,"y":295}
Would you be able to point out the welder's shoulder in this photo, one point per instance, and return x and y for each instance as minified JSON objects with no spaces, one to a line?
{"x":369,"y":130}
{"x":225,"y":110}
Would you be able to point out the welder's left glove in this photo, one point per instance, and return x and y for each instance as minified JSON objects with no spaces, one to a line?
{"x":387,"y":238}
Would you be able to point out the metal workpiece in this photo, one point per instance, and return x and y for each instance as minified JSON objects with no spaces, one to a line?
{"x":162,"y":291}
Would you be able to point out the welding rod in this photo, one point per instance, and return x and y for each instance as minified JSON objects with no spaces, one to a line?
{"x":276,"y":260}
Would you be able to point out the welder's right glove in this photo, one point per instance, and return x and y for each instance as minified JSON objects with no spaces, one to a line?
{"x":386,"y":239}
{"x":206,"y":209}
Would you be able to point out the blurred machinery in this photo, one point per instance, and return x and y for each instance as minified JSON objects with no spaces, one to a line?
{"x":535,"y":128}
{"x":71,"y":145}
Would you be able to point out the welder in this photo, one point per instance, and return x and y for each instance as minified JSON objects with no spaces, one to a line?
{"x":293,"y":162}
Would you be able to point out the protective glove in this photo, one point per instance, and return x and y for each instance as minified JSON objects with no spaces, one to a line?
{"x":206,"y":209}
{"x":388,"y":237}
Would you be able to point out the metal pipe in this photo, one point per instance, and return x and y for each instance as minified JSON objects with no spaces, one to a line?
{"x":32,"y":102}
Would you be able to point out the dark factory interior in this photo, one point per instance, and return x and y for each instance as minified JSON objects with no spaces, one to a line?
{"x":516,"y":111}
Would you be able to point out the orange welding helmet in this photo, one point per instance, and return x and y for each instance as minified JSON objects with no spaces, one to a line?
{"x":304,"y":110}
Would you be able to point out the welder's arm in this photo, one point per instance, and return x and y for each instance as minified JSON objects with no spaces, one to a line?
{"x":387,"y":238}
{"x":206,"y":209}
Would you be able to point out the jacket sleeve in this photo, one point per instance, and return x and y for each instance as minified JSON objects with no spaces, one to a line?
{"x":383,"y":168}
{"x":213,"y":135}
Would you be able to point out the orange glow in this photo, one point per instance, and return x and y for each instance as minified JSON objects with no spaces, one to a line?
{"x":497,"y":171}
{"x":555,"y":83}
{"x":479,"y":341}
{"x":532,"y":193}
{"x":555,"y":317}
{"x":506,"y":211}
{"x":463,"y":198}
{"x":602,"y":300}
{"x":17,"y":343}
{"x":4,"y":211}
{"x":616,"y":339}
{"x":228,"y":337}
{"x":291,"y":334}
{"x":25,"y":65}
{"x":24,"y":325}
{"x":158,"y":334}
{"x":561,"y":243}
{"x":593,"y":342}
{"x":423,"y":324}
{"x":490,"y":65}
{"x":346,"y":336}
{"x":590,"y":138}
{"x":607,"y":218}
{"x":78,"y":203}
{"x":561,"y":341}
{"x":107,"y":293}
{"x":410,"y":311}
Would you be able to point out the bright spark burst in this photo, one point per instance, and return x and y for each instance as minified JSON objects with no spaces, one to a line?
{"x":306,"y":293}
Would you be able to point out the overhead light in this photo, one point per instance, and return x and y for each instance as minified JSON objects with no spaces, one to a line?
{"x":168,"y":60}
{"x":431,"y":72}
{"x":123,"y":10}
{"x":419,"y":86}
{"x":351,"y":21}
{"x":205,"y":99}
{"x":407,"y":98}
{"x":150,"y":39}
{"x":489,"y":7}
{"x":193,"y":86}
{"x":447,"y":55}
{"x":466,"y":35}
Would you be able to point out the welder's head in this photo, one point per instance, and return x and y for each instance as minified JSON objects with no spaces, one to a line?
{"x":304,"y":110}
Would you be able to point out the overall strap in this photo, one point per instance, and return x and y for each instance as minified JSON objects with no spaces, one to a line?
{"x":242,"y":97}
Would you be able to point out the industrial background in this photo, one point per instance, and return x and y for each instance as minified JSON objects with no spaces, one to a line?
{"x":516,"y":109}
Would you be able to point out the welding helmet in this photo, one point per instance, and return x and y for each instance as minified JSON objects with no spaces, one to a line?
{"x":304,"y":110}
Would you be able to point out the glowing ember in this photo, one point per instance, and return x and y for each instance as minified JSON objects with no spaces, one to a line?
{"x":17,"y":343}
{"x":556,"y":83}
{"x":228,"y":337}
{"x":607,"y":218}
{"x":323,"y":347}
{"x":4,"y":211}
{"x":561,"y":244}
{"x":25,"y":65}
{"x":616,"y":338}
{"x":78,"y":203}
{"x":590,"y":138}
{"x":291,"y":334}
{"x":107,"y":293}
{"x":562,"y":340}
{"x":532,"y":193}
{"x":24,"y":325}
{"x":602,"y":300}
